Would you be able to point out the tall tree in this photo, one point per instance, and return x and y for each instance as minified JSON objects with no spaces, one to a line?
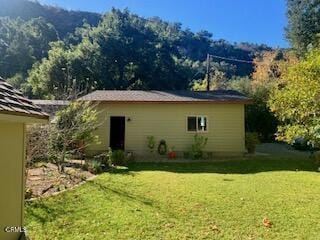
{"x":296,"y":101}
{"x":67,"y":71}
{"x":303,"y":24}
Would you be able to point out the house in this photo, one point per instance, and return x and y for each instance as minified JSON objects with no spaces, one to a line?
{"x":129,"y":117}
{"x":15,"y":112}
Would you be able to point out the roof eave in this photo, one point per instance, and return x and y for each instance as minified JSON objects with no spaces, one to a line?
{"x":43,"y":117}
{"x":245,"y":101}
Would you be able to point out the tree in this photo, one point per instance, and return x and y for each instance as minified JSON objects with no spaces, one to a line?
{"x":270,"y":65}
{"x":259,"y":119}
{"x":220,"y":74}
{"x":303,"y":24}
{"x":122,"y":52}
{"x":72,"y":131}
{"x":21,"y":45}
{"x":66,"y":70}
{"x":126,"y":51}
{"x":296,"y":101}
{"x":37,"y":143}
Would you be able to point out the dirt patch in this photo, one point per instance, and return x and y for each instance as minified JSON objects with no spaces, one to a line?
{"x":45,"y":179}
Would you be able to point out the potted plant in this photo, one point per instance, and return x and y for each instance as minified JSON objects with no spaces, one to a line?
{"x":162,"y":147}
{"x":172,"y":154}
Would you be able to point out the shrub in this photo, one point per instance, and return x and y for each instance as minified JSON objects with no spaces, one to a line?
{"x":252,"y":139}
{"x":85,"y":166}
{"x":118,"y":158}
{"x":37,"y":141}
{"x":72,"y":130}
{"x":197,"y":147}
{"x":103,"y":158}
{"x":95,"y":167}
{"x":151,"y":143}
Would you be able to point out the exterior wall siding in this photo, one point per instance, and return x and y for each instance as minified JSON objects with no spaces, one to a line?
{"x":166,"y":121}
{"x":12,"y":177}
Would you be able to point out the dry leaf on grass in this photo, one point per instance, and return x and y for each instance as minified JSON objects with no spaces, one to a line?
{"x":214,"y":228}
{"x":169,"y":225}
{"x":266,"y":222}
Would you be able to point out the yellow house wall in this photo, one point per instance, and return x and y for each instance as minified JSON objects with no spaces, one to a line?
{"x":11,"y":177}
{"x":168,"y":121}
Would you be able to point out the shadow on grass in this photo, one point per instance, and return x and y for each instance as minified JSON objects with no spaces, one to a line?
{"x":245,"y":166}
{"x":44,"y":212}
{"x":106,"y":189}
{"x":126,"y":196}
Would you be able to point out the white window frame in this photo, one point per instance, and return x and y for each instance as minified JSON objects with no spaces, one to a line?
{"x":197,"y":131}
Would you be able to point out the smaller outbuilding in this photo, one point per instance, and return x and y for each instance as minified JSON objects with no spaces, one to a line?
{"x":128,"y":118}
{"x":15,"y":112}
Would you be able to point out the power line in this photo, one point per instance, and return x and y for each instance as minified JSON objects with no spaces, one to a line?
{"x":209,"y":56}
{"x":231,"y":59}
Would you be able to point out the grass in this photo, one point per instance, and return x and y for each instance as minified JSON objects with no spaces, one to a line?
{"x":223,"y":200}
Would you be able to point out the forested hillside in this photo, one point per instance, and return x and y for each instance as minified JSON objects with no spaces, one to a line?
{"x":46,"y":51}
{"x":49,"y":52}
{"x":64,"y":21}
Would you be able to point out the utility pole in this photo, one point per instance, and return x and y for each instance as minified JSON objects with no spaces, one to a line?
{"x":208,"y":71}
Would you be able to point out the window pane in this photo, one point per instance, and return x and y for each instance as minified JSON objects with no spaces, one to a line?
{"x":192,"y":124}
{"x":202,"y":124}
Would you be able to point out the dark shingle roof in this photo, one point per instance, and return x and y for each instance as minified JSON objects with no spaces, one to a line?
{"x":217,"y":96}
{"x":13,"y":102}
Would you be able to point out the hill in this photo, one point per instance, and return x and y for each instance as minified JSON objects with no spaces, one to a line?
{"x":117,"y":50}
{"x":64,"y":21}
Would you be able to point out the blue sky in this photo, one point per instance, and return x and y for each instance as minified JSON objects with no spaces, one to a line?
{"x":256,"y":21}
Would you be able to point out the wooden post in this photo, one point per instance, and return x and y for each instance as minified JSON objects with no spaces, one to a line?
{"x":208,"y":72}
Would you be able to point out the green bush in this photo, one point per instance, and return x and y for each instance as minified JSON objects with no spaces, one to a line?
{"x":197,"y":147}
{"x":252,"y":139}
{"x":118,"y":158}
{"x":95,"y":167}
{"x":151,"y":143}
{"x":103,"y":158}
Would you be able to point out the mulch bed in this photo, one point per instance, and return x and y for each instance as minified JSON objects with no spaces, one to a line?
{"x":45,"y":180}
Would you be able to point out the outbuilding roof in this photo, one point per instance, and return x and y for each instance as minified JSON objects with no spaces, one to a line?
{"x":217,"y":96}
{"x":13,"y":102}
{"x":51,"y":106}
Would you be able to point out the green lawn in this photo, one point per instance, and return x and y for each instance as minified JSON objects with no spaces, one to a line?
{"x":225,"y":200}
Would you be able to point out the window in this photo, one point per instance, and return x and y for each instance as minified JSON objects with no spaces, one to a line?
{"x":197,"y":124}
{"x":192,"y":124}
